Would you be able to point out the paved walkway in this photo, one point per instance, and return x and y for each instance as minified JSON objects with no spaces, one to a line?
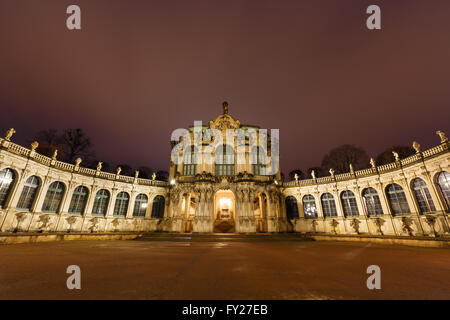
{"x":183,"y":269}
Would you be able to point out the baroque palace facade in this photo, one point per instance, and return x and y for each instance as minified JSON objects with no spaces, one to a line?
{"x":410,"y":196}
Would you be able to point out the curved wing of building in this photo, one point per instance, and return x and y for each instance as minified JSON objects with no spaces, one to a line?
{"x":223,"y":179}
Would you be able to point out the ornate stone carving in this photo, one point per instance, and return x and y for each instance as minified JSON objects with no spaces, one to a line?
{"x":334,"y":224}
{"x":354,"y":223}
{"x":34,"y":146}
{"x":396,"y":156}
{"x":20,"y":217}
{"x":9,"y":133}
{"x":44,"y":219}
{"x":94,"y":224}
{"x":99,"y":166}
{"x":407,"y":225}
{"x":373,"y":164}
{"x":71,"y":221}
{"x":441,"y":135}
{"x":55,"y":154}
{"x":225,"y":107}
{"x":314,"y":224}
{"x":118,"y":170}
{"x":77,"y":163}
{"x":416,"y":146}
{"x":153,"y":176}
{"x":431,"y":221}
{"x":331,"y":172}
{"x":379,"y":223}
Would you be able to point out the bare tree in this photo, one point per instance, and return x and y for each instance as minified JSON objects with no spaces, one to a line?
{"x":49,"y":141}
{"x":76,"y":143}
{"x":386,"y":156}
{"x":341,"y":157}
{"x":145,"y":172}
{"x":162,"y":175}
{"x":299,"y":172}
{"x":126,"y":170}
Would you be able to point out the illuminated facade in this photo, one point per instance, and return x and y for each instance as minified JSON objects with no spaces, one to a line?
{"x":408,"y":197}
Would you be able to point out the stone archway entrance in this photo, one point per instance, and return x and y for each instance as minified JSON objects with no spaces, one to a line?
{"x":224,"y":212}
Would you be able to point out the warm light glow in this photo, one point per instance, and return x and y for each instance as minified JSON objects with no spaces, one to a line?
{"x":172,"y":182}
{"x":144,"y":205}
{"x":225,"y":203}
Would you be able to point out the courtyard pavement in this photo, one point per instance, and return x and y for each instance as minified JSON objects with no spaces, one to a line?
{"x":184,"y":269}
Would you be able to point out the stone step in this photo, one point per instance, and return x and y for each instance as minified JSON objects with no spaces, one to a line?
{"x":221,"y":237}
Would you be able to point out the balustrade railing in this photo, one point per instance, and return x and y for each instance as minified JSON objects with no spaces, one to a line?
{"x":416,"y":158}
{"x":39,"y":158}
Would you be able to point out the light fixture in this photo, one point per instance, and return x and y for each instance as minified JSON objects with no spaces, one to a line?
{"x":172,"y":181}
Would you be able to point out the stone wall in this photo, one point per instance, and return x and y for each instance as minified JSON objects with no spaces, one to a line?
{"x":26,"y":163}
{"x":426,"y":165}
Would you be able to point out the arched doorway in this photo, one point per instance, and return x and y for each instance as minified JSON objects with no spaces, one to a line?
{"x":224,"y":211}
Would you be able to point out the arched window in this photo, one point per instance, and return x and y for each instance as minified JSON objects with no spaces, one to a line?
{"x":79,"y":200}
{"x":423,"y":196}
{"x":158,"y":207}
{"x":397,"y":199}
{"x":349,"y":205}
{"x":140,"y":205}
{"x":328,"y":205}
{"x":121,"y":206}
{"x":7,"y":178}
{"x":372,"y":202}
{"x":291,"y":208}
{"x":101,"y":203}
{"x":309,"y":206}
{"x":257,"y":156}
{"x":224,"y":160}
{"x":28,"y":195}
{"x":443,"y":181}
{"x":53,"y":198}
{"x":190,"y":161}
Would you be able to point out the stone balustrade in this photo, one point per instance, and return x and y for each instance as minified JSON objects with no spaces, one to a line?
{"x":409,"y":197}
{"x":41,"y":194}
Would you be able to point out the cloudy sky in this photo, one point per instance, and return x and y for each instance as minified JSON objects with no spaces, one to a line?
{"x":139,"y":69}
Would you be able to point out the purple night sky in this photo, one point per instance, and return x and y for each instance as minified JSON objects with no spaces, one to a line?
{"x":139,"y":69}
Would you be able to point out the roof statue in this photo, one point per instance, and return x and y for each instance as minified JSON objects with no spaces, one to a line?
{"x":225,"y":107}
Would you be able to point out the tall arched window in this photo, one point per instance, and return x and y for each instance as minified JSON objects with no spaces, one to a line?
{"x":309,"y":206}
{"x":101,"y":203}
{"x":121,"y":206}
{"x":7,"y":178}
{"x":224,"y":160}
{"x":257,"y":156}
{"x":291,"y":208}
{"x":140,"y":205}
{"x":349,"y":205}
{"x":190,"y":161}
{"x":158,"y":207}
{"x":28,"y":195}
{"x":372,"y":202}
{"x":423,"y":196}
{"x":79,"y":200}
{"x":328,"y":205}
{"x":443,"y":181}
{"x":397,"y":199}
{"x":53,"y":198}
